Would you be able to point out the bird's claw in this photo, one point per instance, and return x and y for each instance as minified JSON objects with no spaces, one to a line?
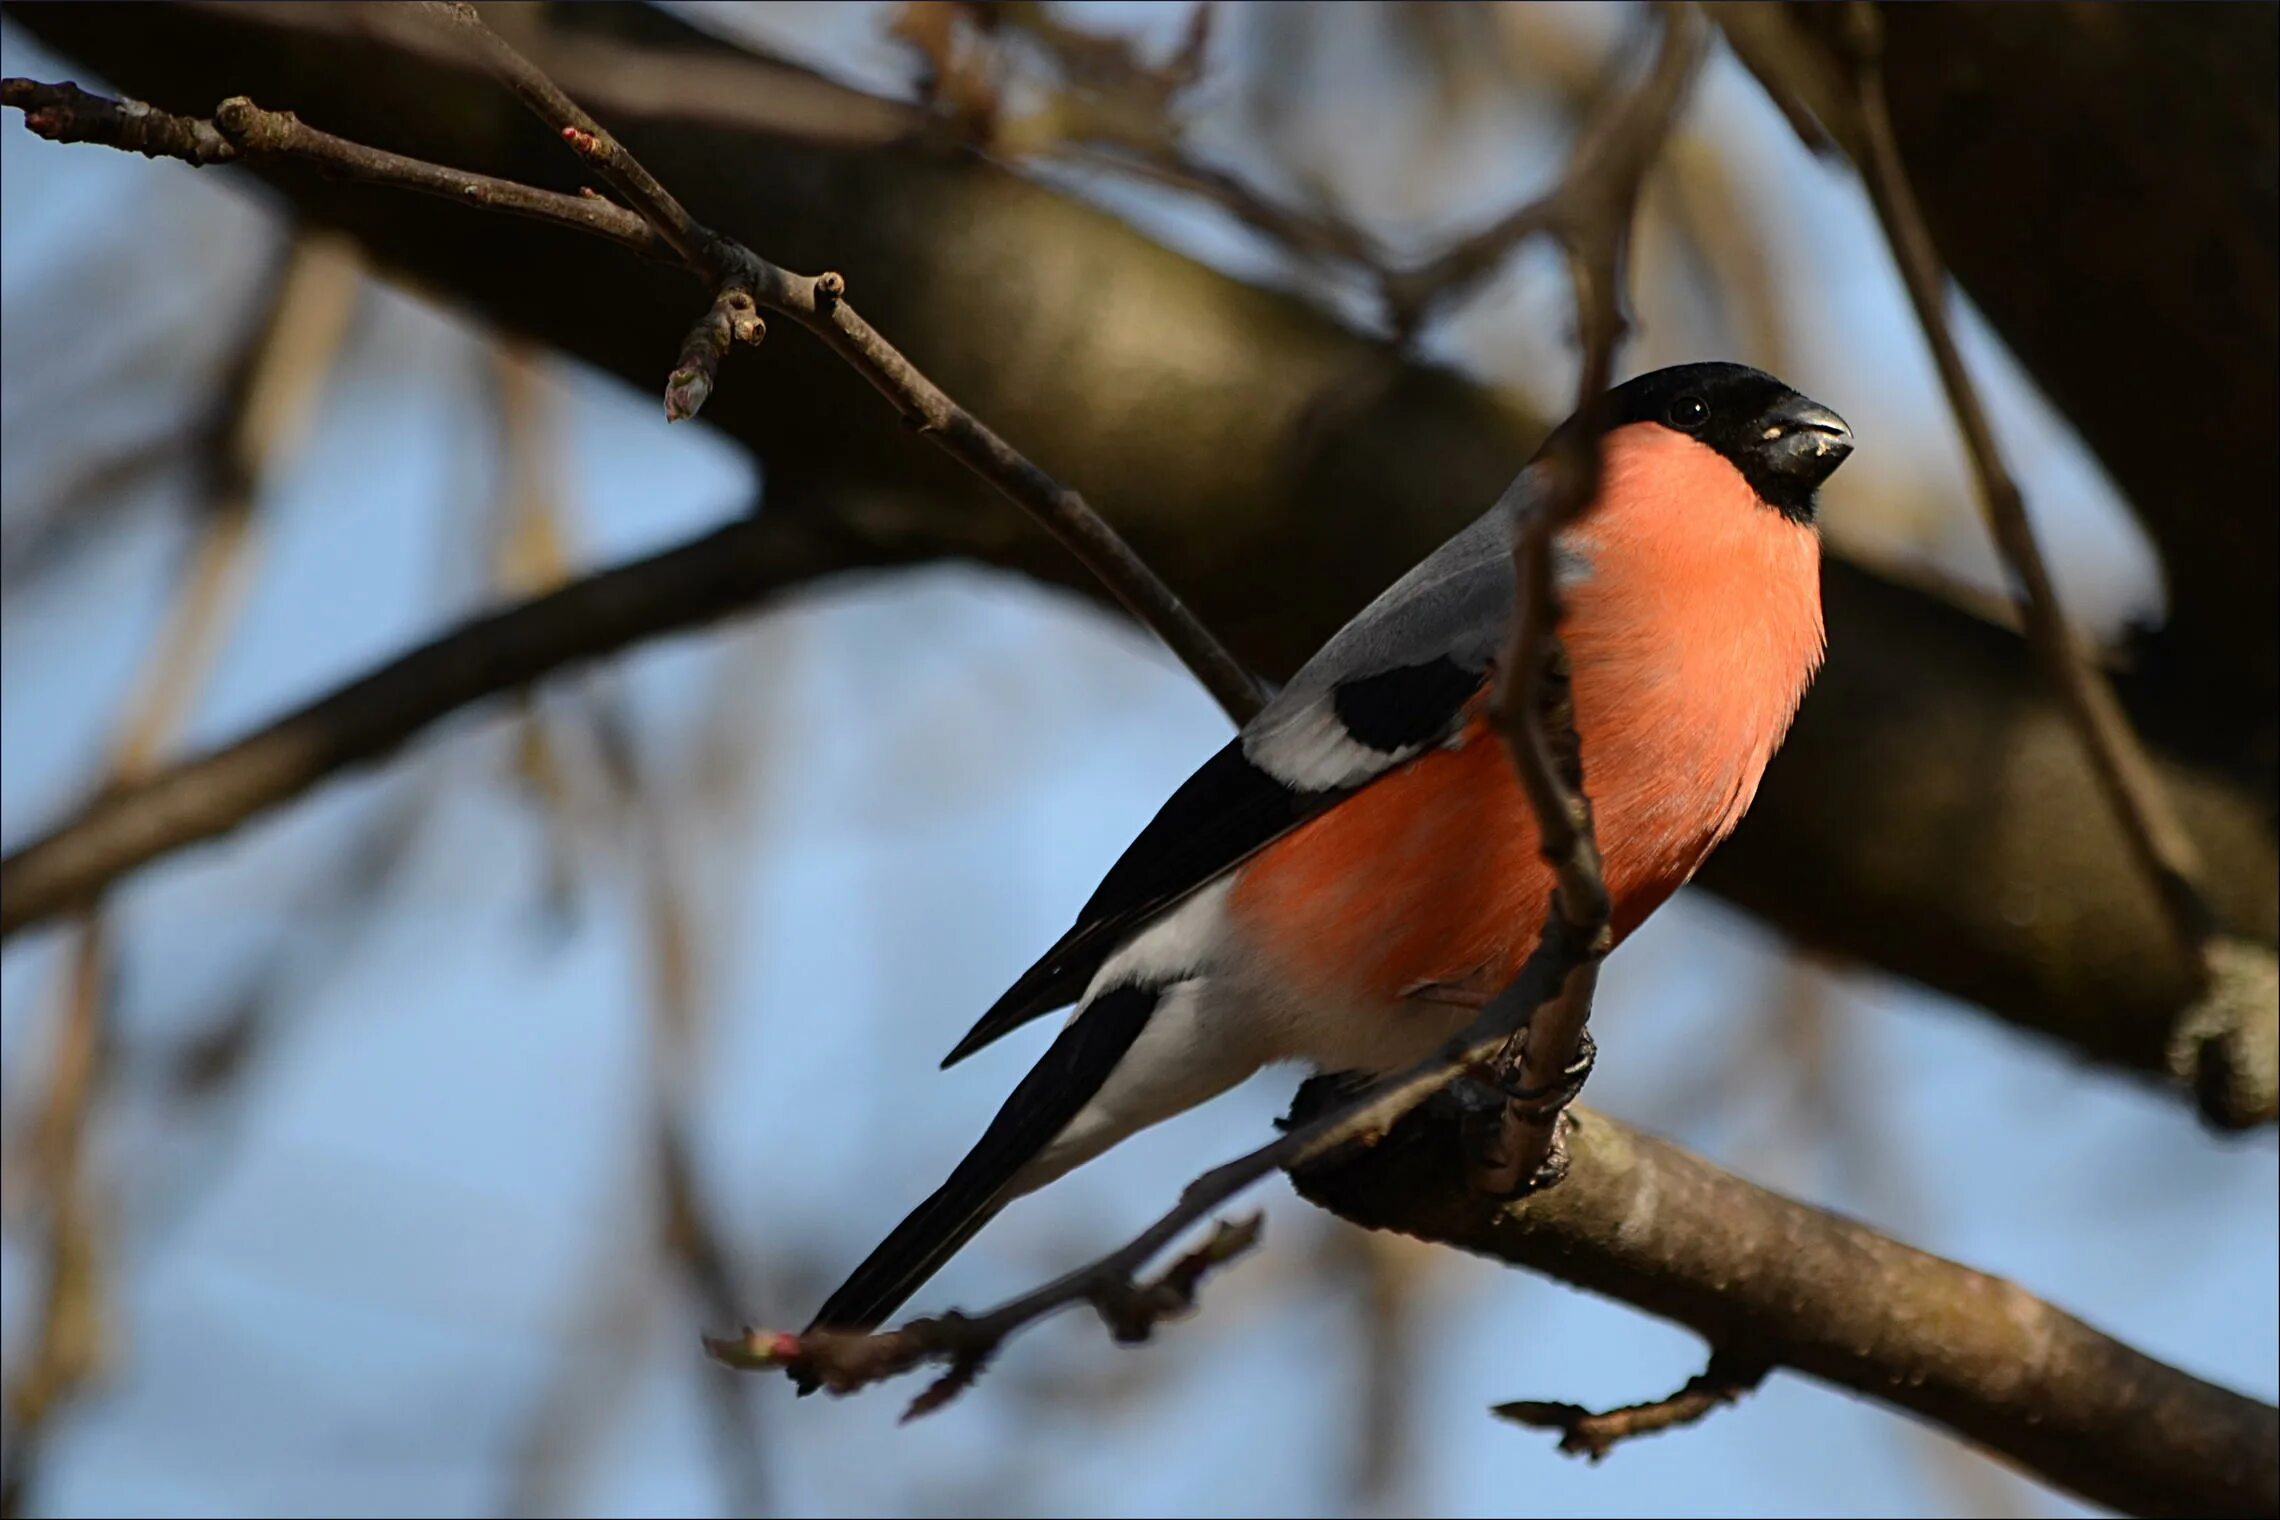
{"x":1499,"y":1115}
{"x":1569,"y":1085}
{"x":1554,"y":1168}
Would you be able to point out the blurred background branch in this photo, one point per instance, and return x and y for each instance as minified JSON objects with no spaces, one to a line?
{"x":612,"y":796}
{"x":267,"y":416}
{"x":1376,"y":456}
{"x":2222,"y":1046}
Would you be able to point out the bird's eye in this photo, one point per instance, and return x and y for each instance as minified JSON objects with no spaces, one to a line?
{"x":1688,"y":413}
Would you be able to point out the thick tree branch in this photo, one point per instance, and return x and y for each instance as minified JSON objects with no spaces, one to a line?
{"x":1776,"y":1282}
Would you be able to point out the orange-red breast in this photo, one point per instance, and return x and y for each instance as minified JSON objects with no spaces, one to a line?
{"x":1358,"y":868}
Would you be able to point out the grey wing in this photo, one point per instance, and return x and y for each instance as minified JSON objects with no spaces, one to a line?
{"x":1388,"y":686}
{"x":1393,"y":682}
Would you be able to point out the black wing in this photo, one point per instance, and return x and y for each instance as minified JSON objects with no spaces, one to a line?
{"x":1231,"y":808}
{"x":1391,"y":684}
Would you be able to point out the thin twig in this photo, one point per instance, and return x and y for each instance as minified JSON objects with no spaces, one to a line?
{"x":1115,"y":112}
{"x":240,"y":130}
{"x":695,"y":245}
{"x":1112,"y":110}
{"x":844,"y":1361}
{"x":1590,"y":211}
{"x":1588,"y":1434}
{"x":817,"y":302}
{"x":1595,"y":224}
{"x":2157,"y":838}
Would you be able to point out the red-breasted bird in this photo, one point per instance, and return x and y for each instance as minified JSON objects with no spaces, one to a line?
{"x":1357,"y":871}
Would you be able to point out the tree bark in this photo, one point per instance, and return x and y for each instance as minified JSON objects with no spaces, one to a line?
{"x":2104,"y":180}
{"x":1771,"y":1282}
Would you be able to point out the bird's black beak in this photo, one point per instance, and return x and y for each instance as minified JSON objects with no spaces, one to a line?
{"x":1803,"y":441}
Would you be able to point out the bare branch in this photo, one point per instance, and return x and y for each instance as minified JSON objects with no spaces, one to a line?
{"x":240,"y":129}
{"x":1780,"y":1283}
{"x":1114,"y":111}
{"x":731,"y":270}
{"x":695,"y":245}
{"x":845,"y":1361}
{"x":2156,"y":836}
{"x":728,"y":570}
{"x":819,"y":302}
{"x":1591,"y":212}
{"x":1583,"y":1433}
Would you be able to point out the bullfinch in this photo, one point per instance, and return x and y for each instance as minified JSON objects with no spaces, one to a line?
{"x":1357,"y":871}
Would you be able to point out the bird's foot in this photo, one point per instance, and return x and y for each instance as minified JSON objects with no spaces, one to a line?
{"x":1563,"y":1090}
{"x":1503,"y":1125}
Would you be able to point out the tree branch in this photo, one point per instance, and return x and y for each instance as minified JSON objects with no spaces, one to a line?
{"x":846,"y":1361}
{"x":728,"y":570}
{"x":1585,"y":1434}
{"x":1557,"y":974}
{"x":2163,"y":849}
{"x":819,"y":302}
{"x":693,"y":244}
{"x":735,"y":273}
{"x":1772,"y":1281}
{"x":65,"y":113}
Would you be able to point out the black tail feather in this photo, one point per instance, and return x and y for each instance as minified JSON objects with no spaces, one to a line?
{"x":1057,"y":980}
{"x":914,"y":1252}
{"x":1053,"y":1093}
